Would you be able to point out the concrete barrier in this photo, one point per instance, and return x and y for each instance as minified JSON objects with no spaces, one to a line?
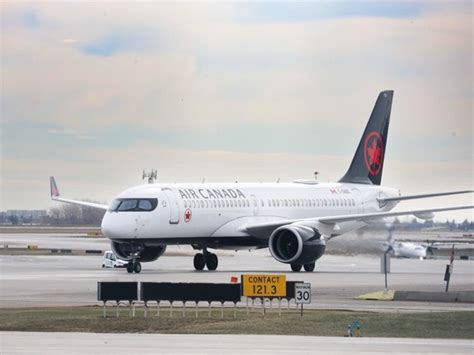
{"x":462,"y":296}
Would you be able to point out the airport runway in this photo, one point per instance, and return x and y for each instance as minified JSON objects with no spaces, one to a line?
{"x":89,"y":343}
{"x":72,"y":280}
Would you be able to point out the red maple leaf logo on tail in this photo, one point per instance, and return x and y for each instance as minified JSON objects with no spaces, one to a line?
{"x":373,"y":152}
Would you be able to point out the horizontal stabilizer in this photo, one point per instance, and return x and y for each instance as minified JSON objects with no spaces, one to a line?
{"x":414,"y":197}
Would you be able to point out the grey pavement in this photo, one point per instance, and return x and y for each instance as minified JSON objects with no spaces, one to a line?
{"x":89,"y":343}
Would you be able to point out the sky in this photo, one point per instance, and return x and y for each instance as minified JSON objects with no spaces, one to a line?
{"x":95,"y":92}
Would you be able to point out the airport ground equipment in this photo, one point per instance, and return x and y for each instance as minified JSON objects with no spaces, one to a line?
{"x":189,"y":292}
{"x":118,"y":292}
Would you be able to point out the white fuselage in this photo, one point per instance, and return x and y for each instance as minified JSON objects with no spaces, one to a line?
{"x":193,"y":211}
{"x":409,"y":250}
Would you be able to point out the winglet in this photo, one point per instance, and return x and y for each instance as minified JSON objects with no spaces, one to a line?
{"x":54,"y":188}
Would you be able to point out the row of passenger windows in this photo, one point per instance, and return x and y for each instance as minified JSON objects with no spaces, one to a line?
{"x":216,"y":203}
{"x":324,"y":202}
{"x":305,"y":202}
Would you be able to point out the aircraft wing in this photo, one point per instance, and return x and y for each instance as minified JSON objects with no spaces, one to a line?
{"x":265,"y":228}
{"x":413,"y":197}
{"x":56,"y":197}
{"x":362,"y":217}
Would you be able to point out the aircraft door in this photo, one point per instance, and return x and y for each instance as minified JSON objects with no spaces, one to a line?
{"x":254,"y":204}
{"x":173,"y":205}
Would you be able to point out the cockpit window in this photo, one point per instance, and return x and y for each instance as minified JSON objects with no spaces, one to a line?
{"x":128,"y":205}
{"x":145,"y":205}
{"x":133,"y":204}
{"x":114,"y":205}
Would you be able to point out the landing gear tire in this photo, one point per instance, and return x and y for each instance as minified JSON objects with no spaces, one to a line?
{"x":296,"y":268}
{"x":199,"y":261}
{"x":137,"y":267}
{"x":212,"y":261}
{"x":309,"y":267}
{"x":129,"y":268}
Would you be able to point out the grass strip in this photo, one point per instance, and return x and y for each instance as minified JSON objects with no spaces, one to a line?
{"x":456,"y":325}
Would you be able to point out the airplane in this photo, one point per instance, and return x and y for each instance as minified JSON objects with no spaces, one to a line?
{"x":293,"y":220}
{"x":406,"y":249}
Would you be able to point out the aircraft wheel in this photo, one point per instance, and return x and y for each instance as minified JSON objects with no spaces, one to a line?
{"x":309,"y":267}
{"x":199,"y":261}
{"x":212,"y":261}
{"x":296,"y":268}
{"x":129,"y":268}
{"x":137,"y":267}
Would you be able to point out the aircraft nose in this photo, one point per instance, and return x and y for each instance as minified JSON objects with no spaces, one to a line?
{"x":114,"y":227}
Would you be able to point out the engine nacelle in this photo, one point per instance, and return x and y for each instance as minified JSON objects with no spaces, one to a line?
{"x":296,"y":244}
{"x":125,"y":251}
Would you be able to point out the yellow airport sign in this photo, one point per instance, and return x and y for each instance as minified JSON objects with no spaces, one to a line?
{"x":263,"y":285}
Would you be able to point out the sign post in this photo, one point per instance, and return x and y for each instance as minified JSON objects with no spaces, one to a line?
{"x":449,"y":269}
{"x":302,"y":294}
{"x":263,"y":285}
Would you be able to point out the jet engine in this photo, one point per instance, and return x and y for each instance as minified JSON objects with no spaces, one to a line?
{"x":296,"y":244}
{"x":125,"y":251}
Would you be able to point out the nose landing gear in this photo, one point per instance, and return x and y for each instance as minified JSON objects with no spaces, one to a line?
{"x":134,"y":266}
{"x":205,"y":259}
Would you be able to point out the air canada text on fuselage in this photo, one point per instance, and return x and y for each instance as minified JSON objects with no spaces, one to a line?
{"x":211,"y":193}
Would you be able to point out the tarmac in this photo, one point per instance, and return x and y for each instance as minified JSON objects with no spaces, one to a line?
{"x":89,"y":343}
{"x":69,"y":280}
{"x":63,"y":280}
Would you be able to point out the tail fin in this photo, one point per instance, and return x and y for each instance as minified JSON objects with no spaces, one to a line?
{"x":367,"y":164}
{"x":53,"y":187}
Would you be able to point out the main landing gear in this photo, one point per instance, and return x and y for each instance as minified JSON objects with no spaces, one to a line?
{"x":205,"y":259}
{"x":307,"y":267}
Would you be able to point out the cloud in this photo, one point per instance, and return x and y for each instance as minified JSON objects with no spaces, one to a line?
{"x":319,"y":10}
{"x":204,"y":83}
{"x":72,"y":134}
{"x":120,"y":42}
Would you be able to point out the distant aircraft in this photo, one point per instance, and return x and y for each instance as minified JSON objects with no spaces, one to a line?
{"x":292,"y":219}
{"x":405,"y":249}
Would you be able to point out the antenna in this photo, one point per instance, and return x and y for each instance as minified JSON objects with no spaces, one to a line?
{"x":203,"y":180}
{"x":151,"y":176}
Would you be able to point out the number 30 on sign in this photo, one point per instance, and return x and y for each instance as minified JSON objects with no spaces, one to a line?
{"x":302,"y":293}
